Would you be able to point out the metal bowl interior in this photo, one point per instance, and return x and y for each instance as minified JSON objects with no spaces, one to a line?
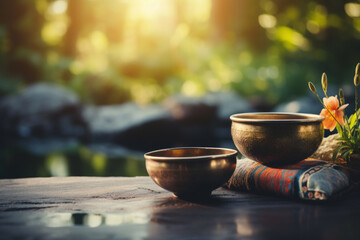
{"x":277,"y":138}
{"x":189,"y":153}
{"x":191,"y":172}
{"x":276,"y":117}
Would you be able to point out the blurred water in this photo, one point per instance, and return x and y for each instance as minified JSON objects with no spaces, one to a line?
{"x":45,"y":158}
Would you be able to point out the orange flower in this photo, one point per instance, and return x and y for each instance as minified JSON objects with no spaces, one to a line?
{"x":332,"y":103}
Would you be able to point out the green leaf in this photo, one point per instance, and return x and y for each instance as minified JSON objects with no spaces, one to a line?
{"x":346,"y":155}
{"x":343,"y":147}
{"x":352,"y":120}
{"x":338,"y":149}
{"x":335,"y":153}
{"x":339,"y":130}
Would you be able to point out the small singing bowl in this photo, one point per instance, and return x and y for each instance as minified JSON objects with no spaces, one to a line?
{"x":277,"y":138}
{"x":191,"y":172}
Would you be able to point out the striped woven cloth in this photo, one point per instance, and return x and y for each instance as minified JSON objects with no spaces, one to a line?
{"x":309,"y":179}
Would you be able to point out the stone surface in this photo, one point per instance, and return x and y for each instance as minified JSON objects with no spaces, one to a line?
{"x":47,"y":111}
{"x":228,"y":103}
{"x":327,"y":148}
{"x":136,"y":208}
{"x":41,"y":110}
{"x":119,"y":118}
{"x":215,"y":105}
{"x":191,"y":110}
{"x":205,"y":121}
{"x":130,"y":125}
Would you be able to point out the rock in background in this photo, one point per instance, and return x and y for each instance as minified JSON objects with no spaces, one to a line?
{"x":306,"y":104}
{"x":42,"y":110}
{"x":130,"y":125}
{"x":205,"y":121}
{"x":47,"y":111}
{"x":327,"y":148}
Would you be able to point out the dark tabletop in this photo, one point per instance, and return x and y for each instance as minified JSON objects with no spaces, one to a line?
{"x":136,"y":208}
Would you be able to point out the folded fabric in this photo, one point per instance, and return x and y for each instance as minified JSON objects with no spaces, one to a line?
{"x":309,"y":179}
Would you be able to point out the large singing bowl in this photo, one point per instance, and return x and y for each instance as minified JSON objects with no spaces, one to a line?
{"x":191,"y":172}
{"x":277,"y":138}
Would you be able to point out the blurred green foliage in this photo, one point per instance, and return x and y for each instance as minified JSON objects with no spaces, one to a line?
{"x":112,"y":51}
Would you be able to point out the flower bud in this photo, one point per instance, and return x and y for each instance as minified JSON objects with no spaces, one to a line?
{"x":341,"y":96}
{"x":357,"y":69}
{"x":312,"y":87}
{"x":356,"y":80}
{"x":324,"y":82}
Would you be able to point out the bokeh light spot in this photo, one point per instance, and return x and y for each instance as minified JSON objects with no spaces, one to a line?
{"x":53,"y":31}
{"x":313,"y":27}
{"x":267,"y":20}
{"x":352,"y":9}
{"x":58,"y":7}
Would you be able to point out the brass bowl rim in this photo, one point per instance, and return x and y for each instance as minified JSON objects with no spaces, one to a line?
{"x":297,"y":117}
{"x":231,"y":153}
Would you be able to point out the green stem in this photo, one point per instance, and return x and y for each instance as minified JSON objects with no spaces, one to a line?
{"x":356,"y":103}
{"x":356,"y":115}
{"x":348,"y":125}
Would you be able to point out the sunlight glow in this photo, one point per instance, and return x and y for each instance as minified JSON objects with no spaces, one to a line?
{"x":180,"y":34}
{"x":57,"y":21}
{"x":292,"y":39}
{"x":59,"y":7}
{"x":153,"y":48}
{"x":352,"y":9}
{"x":53,"y":31}
{"x":191,"y":88}
{"x":98,"y":40}
{"x":267,"y":20}
{"x":197,"y":11}
{"x":150,"y":17}
{"x":150,"y":8}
